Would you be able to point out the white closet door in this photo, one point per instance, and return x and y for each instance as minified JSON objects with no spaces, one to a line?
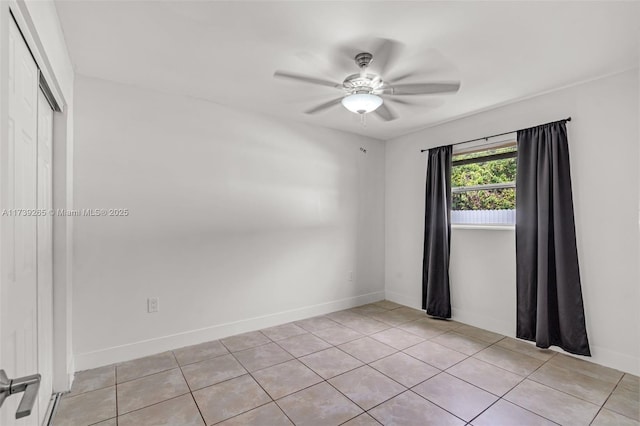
{"x":18,"y":280}
{"x":45,"y":255}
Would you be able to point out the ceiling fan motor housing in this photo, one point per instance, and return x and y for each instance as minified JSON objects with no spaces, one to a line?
{"x":363,"y":83}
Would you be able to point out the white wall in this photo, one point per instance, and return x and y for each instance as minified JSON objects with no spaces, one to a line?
{"x":233,"y":217}
{"x":603,"y":139}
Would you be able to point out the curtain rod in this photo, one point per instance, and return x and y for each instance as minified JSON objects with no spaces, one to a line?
{"x":502,"y":134}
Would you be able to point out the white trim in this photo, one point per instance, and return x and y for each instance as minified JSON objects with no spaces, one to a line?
{"x":160,"y":344}
{"x":71,"y":371}
{"x":600,"y":355}
{"x":37,"y":34}
{"x":29,"y":32}
{"x":481,"y":320}
{"x":484,"y":227}
{"x":609,"y":358}
{"x":402,"y":299}
{"x":510,"y":102}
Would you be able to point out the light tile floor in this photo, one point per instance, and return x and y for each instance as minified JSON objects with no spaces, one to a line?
{"x":380,"y":363}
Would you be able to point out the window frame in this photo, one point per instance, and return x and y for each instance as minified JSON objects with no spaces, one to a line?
{"x":480,"y":146}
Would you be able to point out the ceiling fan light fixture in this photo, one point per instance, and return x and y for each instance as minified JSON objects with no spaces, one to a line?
{"x":361,"y":103}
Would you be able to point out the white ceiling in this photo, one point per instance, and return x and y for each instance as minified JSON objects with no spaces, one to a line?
{"x":226,"y":52}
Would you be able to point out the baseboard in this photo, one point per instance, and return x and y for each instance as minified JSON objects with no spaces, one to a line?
{"x":600,"y":355}
{"x":143,"y":348}
{"x":487,"y":322}
{"x":71,"y":371}
{"x":402,"y":299}
{"x":609,"y":358}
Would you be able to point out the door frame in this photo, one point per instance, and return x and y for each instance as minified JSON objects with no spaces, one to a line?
{"x":63,"y":365}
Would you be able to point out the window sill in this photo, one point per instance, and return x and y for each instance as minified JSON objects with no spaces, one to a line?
{"x":485,"y":227}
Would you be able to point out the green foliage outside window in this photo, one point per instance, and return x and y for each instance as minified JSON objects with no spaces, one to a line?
{"x":497,"y":171}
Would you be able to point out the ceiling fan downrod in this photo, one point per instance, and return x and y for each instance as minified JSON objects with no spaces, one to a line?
{"x":363,"y":59}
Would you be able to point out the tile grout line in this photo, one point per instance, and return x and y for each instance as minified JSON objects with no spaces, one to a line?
{"x":207,"y":358}
{"x":426,"y":399}
{"x":390,"y":327}
{"x":527,"y":378}
{"x":567,"y":393}
{"x":406,"y":389}
{"x":67,"y":396}
{"x":223,"y":381}
{"x":259,"y":384}
{"x":193,"y":398}
{"x":261,"y":387}
{"x":485,"y":410}
{"x":315,"y":372}
{"x":486,"y":390}
{"x":500,"y":397}
{"x":462,"y":380}
{"x":513,"y":352}
{"x":313,"y":352}
{"x":284,"y":412}
{"x":149,"y":374}
{"x":348,"y":399}
{"x":323,"y":379}
{"x":354,"y":368}
{"x":159,"y":402}
{"x":154,"y":404}
{"x":530,"y":411}
{"x":327,"y":381}
{"x":607,"y":399}
{"x":248,"y":372}
{"x":342,"y":343}
{"x":115,"y":373}
{"x":400,"y":352}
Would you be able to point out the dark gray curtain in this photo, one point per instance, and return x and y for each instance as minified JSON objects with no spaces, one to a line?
{"x":437,"y":234}
{"x":550,"y":309}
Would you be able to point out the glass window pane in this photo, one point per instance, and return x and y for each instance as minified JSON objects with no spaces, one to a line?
{"x":494,"y":199}
{"x":497,"y":171}
{"x":484,"y":206}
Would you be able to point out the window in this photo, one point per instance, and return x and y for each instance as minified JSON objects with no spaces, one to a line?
{"x":483,"y":185}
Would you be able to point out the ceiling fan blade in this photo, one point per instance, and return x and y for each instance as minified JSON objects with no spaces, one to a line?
{"x":324,"y":106}
{"x":422,"y":88}
{"x":385,"y":113}
{"x":306,"y":79}
{"x":316,"y":63}
{"x":400,"y":101}
{"x":384,"y":53}
{"x":395,"y":79}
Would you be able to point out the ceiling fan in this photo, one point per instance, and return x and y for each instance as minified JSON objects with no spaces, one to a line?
{"x":366,"y":92}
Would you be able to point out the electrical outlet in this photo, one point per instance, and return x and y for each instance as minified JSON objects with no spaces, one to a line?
{"x":153,"y":304}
